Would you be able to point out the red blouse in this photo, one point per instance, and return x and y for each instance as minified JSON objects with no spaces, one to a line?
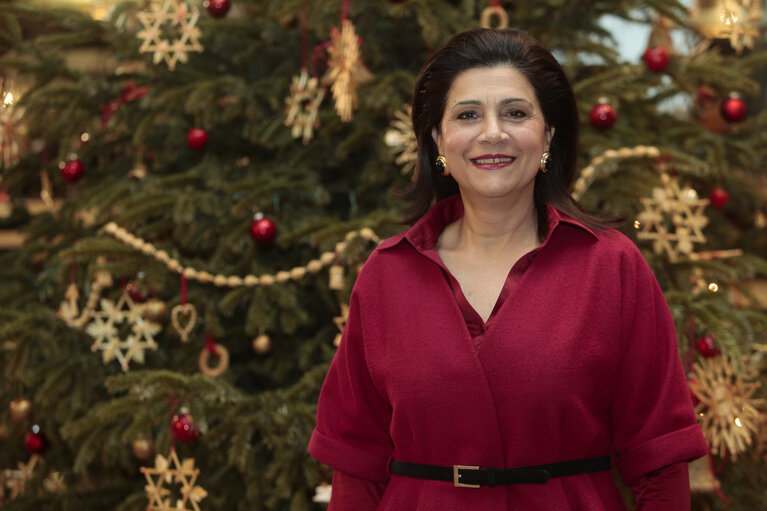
{"x":578,"y":359}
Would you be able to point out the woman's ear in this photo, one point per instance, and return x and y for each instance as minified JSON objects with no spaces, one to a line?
{"x":435,"y":135}
{"x":549,"y":136}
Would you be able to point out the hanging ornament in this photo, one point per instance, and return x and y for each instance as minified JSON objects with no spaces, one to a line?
{"x":346,"y":71}
{"x":736,"y":20}
{"x":262,"y":344}
{"x":340,"y":322}
{"x":54,"y":483}
{"x":734,"y":109}
{"x":217,"y":350}
{"x":727,"y":412}
{"x":12,"y":131}
{"x":105,"y":330}
{"x":262,"y":229}
{"x":183,"y":428}
{"x":673,"y":236}
{"x":20,"y":409}
{"x":707,"y":347}
{"x":656,"y":58}
{"x":143,"y":448}
{"x":217,"y":8}
{"x":401,"y":138}
{"x":494,"y":10}
{"x":168,"y":471}
{"x":71,"y":170}
{"x":183,"y":317}
{"x":138,"y":291}
{"x":303,"y":106}
{"x":719,"y":198}
{"x":603,"y":115}
{"x":34,"y":441}
{"x":165,"y":17}
{"x":68,"y":309}
{"x":196,"y":138}
{"x":154,"y":310}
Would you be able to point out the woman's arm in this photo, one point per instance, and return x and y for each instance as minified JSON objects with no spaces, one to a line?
{"x":352,"y":493}
{"x":667,"y":489}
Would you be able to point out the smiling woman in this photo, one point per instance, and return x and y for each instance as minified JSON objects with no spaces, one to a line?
{"x":508,"y":341}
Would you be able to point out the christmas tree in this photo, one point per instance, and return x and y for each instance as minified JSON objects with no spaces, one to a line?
{"x":189,"y":189}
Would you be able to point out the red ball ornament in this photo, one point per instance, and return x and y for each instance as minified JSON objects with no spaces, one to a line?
{"x":218,"y":8}
{"x":719,"y":197}
{"x":183,"y":428}
{"x":262,"y":229}
{"x":734,"y":109}
{"x":707,"y":346}
{"x":72,"y":170}
{"x":196,"y":139}
{"x":34,"y":441}
{"x":137,"y":292}
{"x":656,"y":58}
{"x":603,"y":116}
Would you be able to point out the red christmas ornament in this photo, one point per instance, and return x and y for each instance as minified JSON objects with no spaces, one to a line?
{"x":34,"y":441}
{"x":603,"y":116}
{"x":262,"y":229}
{"x":183,"y":428}
{"x":656,"y":58}
{"x":196,"y":138}
{"x":734,"y":109}
{"x":719,"y":197}
{"x":137,"y":292}
{"x":707,"y":346}
{"x":72,"y":170}
{"x":218,"y":8}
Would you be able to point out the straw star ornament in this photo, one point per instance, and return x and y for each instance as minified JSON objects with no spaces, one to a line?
{"x":401,"y":138}
{"x":167,"y":471}
{"x":673,"y":219}
{"x":174,"y":19}
{"x":346,"y":71}
{"x":303,"y":105}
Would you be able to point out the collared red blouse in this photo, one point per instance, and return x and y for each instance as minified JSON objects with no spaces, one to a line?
{"x":578,"y":359}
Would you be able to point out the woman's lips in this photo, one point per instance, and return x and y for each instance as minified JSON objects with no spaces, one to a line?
{"x":492,"y":161}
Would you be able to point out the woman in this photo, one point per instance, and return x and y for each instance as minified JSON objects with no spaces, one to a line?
{"x":507,"y":328}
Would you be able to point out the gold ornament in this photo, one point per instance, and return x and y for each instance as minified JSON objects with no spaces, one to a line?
{"x":20,"y":409}
{"x":68,"y":310}
{"x":401,"y":138}
{"x":346,"y":71}
{"x":143,"y":448}
{"x":736,"y":20}
{"x":54,"y":483}
{"x":303,"y":105}
{"x":168,"y":471}
{"x":12,"y":132}
{"x":684,"y":210}
{"x":494,"y":11}
{"x":340,"y":322}
{"x":154,"y":310}
{"x":104,"y":329}
{"x":183,"y":317}
{"x":727,"y":412}
{"x":262,"y":344}
{"x":223,"y":361}
{"x":336,"y":277}
{"x":169,"y":16}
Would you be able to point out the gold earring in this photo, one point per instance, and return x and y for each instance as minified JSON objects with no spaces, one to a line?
{"x":545,"y":165}
{"x":442,"y":162}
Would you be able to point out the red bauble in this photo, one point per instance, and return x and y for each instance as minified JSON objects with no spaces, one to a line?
{"x":262,"y":229}
{"x":656,"y":59}
{"x":34,"y":441}
{"x":734,"y":109}
{"x":603,"y":116}
{"x":72,"y":170}
{"x":707,"y":346}
{"x":218,"y":8}
{"x":196,"y":138}
{"x":137,"y":292}
{"x":719,"y":197}
{"x":183,"y":428}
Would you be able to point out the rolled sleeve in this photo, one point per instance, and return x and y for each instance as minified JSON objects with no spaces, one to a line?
{"x":653,"y":419}
{"x":352,"y":431}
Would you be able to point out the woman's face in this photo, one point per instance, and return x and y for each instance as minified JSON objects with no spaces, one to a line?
{"x":493,"y":134}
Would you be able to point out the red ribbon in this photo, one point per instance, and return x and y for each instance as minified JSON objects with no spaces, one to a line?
{"x":495,"y":3}
{"x":210,"y":345}
{"x":183,"y":289}
{"x":131,"y":92}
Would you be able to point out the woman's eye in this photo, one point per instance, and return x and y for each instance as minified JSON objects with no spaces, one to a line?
{"x":516,"y":114}
{"x":468,"y":115}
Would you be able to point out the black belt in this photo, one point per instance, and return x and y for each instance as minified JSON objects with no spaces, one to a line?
{"x":473,"y":477}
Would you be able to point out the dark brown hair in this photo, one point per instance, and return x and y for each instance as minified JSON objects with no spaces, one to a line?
{"x":485,"y":47}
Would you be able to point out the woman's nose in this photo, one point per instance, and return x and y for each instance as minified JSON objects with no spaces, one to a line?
{"x":493,"y":130}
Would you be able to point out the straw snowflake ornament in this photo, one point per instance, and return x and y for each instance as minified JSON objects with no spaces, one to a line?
{"x":401,"y":138}
{"x":171,"y":470}
{"x":174,"y":18}
{"x":303,"y":105}
{"x":346,"y":71}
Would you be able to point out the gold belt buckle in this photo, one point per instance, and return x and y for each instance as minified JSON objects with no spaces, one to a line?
{"x":457,"y":476}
